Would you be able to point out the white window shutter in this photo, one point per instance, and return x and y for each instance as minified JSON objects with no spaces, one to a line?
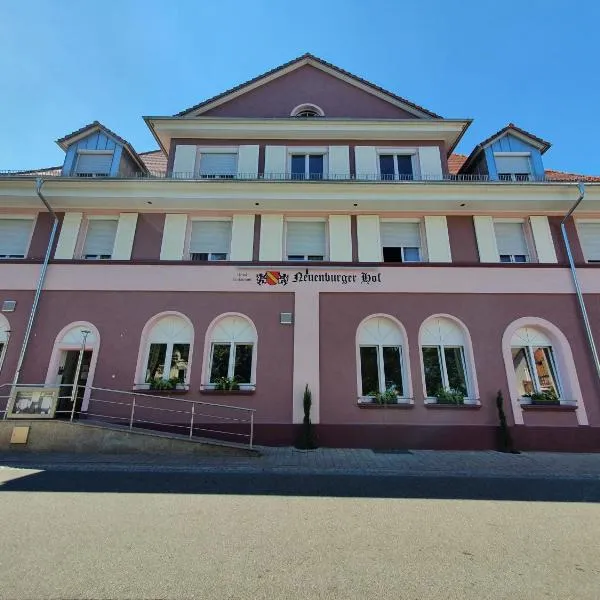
{"x":365,"y":158}
{"x":368,"y":234}
{"x":340,"y":238}
{"x":218,"y":164}
{"x":438,"y":241}
{"x":242,"y":237}
{"x":125,"y":236}
{"x":210,"y":237}
{"x":247,"y":163}
{"x":14,"y":237}
{"x":275,"y":161}
{"x":93,"y":163}
{"x":306,"y":238}
{"x":542,"y":237}
{"x":69,"y":232}
{"x":400,"y":235}
{"x":589,"y":238}
{"x":173,"y":238}
{"x":513,"y":164}
{"x":185,"y":160}
{"x":510,"y":238}
{"x":100,"y":238}
{"x":271,"y":237}
{"x":486,"y":239}
{"x":339,"y":162}
{"x":430,"y":162}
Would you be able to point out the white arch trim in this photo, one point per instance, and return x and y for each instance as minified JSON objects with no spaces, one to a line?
{"x":4,"y":337}
{"x":161,"y":333}
{"x":70,"y":338}
{"x":385,"y":339}
{"x":563,"y":356}
{"x":307,"y":106}
{"x":236,"y":324}
{"x":452,"y":336}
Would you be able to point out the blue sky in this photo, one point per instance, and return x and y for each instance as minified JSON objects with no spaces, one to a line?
{"x":66,"y":63}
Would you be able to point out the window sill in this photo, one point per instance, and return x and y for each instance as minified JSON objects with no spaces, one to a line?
{"x":562,"y":407}
{"x":176,"y":391}
{"x":468,"y":404}
{"x":212,"y":392}
{"x":401,"y":403}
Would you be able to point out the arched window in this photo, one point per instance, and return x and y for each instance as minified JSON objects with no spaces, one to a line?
{"x":443,"y":352}
{"x":307,"y":111}
{"x":381,"y":356}
{"x":232,"y":355}
{"x":534,"y":363}
{"x":4,"y":336}
{"x":168,"y":343}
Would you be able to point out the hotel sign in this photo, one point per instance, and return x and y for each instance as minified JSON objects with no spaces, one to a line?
{"x":308,"y":276}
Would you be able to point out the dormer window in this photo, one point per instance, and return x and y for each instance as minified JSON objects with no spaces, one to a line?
{"x":307,"y":111}
{"x":513,"y":166}
{"x":93,"y":163}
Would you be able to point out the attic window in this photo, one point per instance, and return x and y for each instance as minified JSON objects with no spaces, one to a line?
{"x":93,"y":163}
{"x":307,"y":111}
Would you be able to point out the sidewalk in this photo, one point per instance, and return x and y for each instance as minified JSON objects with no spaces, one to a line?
{"x":332,"y":461}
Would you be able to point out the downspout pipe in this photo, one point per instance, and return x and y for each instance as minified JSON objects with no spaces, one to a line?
{"x":39,"y":182}
{"x":584,"y":314}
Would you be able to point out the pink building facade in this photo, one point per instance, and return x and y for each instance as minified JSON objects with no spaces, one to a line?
{"x":308,"y":228}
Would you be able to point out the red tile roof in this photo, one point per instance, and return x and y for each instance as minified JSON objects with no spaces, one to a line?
{"x":316,"y":59}
{"x":455,"y":162}
{"x":155,"y":161}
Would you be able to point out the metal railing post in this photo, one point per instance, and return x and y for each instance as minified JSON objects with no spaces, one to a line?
{"x":251,"y":429}
{"x":132,"y":413}
{"x":192,"y":421}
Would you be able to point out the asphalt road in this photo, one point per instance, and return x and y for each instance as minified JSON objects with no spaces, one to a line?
{"x":164,"y":535}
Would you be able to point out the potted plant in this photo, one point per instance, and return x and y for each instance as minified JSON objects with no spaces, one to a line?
{"x":389,"y":396}
{"x":544,"y":398}
{"x":450,"y":396}
{"x":164,"y":384}
{"x":225,"y":384}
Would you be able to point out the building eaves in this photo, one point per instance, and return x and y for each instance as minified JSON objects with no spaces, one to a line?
{"x":308,"y":56}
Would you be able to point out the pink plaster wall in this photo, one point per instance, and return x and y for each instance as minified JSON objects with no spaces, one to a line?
{"x":148,"y":236}
{"x":308,"y":84}
{"x":41,"y":235}
{"x":486,"y":318}
{"x":559,"y":245}
{"x":463,"y":242}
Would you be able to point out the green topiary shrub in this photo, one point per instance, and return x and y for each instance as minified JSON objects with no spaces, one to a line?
{"x":307,"y":440}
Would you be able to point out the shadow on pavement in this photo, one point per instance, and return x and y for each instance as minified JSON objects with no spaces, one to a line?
{"x":332,"y":485}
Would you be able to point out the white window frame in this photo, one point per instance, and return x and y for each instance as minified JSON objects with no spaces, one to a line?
{"x":4,"y":342}
{"x":200,"y":150}
{"x":76,"y":173}
{"x":307,"y":106}
{"x":444,"y":370}
{"x":531,"y":257}
{"x":592,"y":261}
{"x":412,"y":152}
{"x":231,"y":366}
{"x":24,"y":217}
{"x":533,"y":371}
{"x":513,"y":175}
{"x":168,"y":359}
{"x":84,"y":233}
{"x":188,"y":238}
{"x":307,"y":151}
{"x":381,"y":370}
{"x":422,"y":238}
{"x":305,"y":256}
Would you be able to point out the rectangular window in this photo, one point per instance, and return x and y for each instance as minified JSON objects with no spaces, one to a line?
{"x":511,"y":242}
{"x":396,"y":167}
{"x":100,"y":239}
{"x":306,"y":240}
{"x":455,"y":369}
{"x":156,"y":362}
{"x":401,"y":242}
{"x":220,"y":362}
{"x":444,"y":367}
{"x":14,"y":237}
{"x":217,"y":165}
{"x":93,"y":164}
{"x":210,"y":240}
{"x":307,"y":166}
{"x":432,"y":367}
{"x":231,"y":361}
{"x":513,"y":168}
{"x":392,"y":368}
{"x":535,"y":370}
{"x":242,"y":371}
{"x":369,"y":370}
{"x":589,"y":237}
{"x":179,"y":362}
{"x":381,"y":369}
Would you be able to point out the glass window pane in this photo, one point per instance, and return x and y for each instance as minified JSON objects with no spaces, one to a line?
{"x":522,"y":371}
{"x":220,"y":361}
{"x":392,"y":255}
{"x":179,"y":362}
{"x":386,"y":166}
{"x":298,"y":166}
{"x":243,"y":363}
{"x":520,"y":258}
{"x":455,"y":369}
{"x":369,"y":370}
{"x":432,"y":369}
{"x":544,"y":365}
{"x":392,"y":368}
{"x":405,"y":169}
{"x":156,"y":362}
{"x":412,"y":255}
{"x":315,"y":166}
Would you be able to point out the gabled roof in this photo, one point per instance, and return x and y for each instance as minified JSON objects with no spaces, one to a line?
{"x":511,"y":128}
{"x":70,"y":138}
{"x":318,"y":63}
